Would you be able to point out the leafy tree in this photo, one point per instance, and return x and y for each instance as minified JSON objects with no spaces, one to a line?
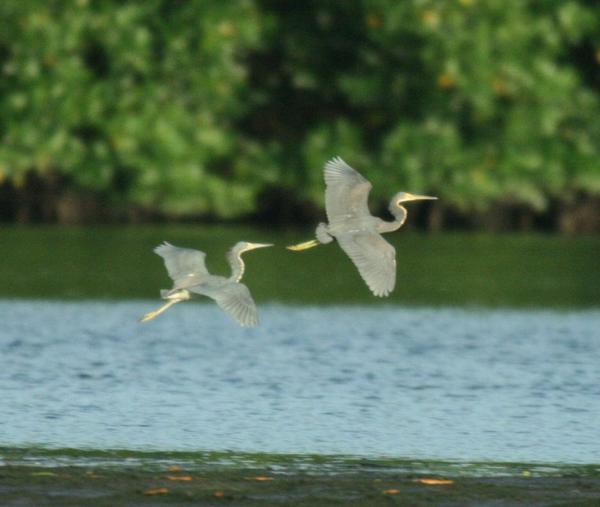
{"x":139,"y":98}
{"x":205,"y":107}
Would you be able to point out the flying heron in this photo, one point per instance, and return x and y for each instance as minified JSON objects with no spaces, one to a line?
{"x":187,"y":269}
{"x":355,"y":229}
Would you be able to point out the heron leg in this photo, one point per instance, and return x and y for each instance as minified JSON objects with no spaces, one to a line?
{"x":158,"y":311}
{"x":303,"y":246}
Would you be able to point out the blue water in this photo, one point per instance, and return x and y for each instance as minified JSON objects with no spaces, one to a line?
{"x":497,"y":385}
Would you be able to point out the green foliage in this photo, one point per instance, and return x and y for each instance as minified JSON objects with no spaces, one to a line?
{"x":138,"y":97}
{"x":199,"y":106}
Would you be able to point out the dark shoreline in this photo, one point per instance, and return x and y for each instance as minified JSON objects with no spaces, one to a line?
{"x":129,"y":486}
{"x":67,"y":477}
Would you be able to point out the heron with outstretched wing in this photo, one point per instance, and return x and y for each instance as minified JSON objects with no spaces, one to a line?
{"x":187,"y":269}
{"x":357,"y":231}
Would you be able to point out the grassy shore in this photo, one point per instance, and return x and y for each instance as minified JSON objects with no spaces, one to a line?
{"x":73,"y":478}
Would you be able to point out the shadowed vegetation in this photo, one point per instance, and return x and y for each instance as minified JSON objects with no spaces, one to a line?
{"x":142,"y":110}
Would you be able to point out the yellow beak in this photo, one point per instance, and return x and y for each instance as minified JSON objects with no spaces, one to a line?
{"x":414,"y":197}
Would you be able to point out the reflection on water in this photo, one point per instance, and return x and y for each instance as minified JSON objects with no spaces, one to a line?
{"x":375,"y":381}
{"x":444,"y":269}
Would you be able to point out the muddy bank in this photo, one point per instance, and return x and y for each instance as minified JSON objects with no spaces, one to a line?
{"x":24,"y":485}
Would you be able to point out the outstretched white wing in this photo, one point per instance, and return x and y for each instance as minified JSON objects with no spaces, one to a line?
{"x":374,"y":257}
{"x":346,"y":192}
{"x":234,"y":298}
{"x":182,"y":262}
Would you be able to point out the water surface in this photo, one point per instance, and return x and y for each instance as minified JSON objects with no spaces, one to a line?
{"x":489,"y":385}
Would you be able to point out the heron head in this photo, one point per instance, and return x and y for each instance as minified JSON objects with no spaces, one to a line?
{"x":246,"y":246}
{"x":401,"y":197}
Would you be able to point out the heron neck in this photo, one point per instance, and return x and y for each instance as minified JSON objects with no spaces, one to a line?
{"x":237,"y":266}
{"x":399,"y":216}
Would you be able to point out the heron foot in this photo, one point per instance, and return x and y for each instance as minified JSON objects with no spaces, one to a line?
{"x":158,"y":311}
{"x":149,"y":316}
{"x":303,"y":246}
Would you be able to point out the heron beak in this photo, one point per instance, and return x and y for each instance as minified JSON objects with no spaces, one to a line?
{"x":413,"y":197}
{"x":259,"y":245}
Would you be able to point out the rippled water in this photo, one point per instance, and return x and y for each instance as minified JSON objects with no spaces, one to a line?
{"x":376,"y":381}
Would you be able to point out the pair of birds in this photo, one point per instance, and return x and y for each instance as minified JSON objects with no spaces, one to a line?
{"x":349,"y":222}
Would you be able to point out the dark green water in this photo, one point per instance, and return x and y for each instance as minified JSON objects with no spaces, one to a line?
{"x":457,"y":269}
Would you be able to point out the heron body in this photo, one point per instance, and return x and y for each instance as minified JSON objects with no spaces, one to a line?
{"x":357,"y":231}
{"x":187,"y":269}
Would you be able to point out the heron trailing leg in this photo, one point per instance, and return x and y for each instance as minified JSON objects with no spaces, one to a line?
{"x":303,"y":246}
{"x":173,"y":296}
{"x":158,"y":311}
{"x":323,"y":237}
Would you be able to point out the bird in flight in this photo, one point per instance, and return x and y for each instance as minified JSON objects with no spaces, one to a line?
{"x":187,"y":269}
{"x":357,"y":231}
